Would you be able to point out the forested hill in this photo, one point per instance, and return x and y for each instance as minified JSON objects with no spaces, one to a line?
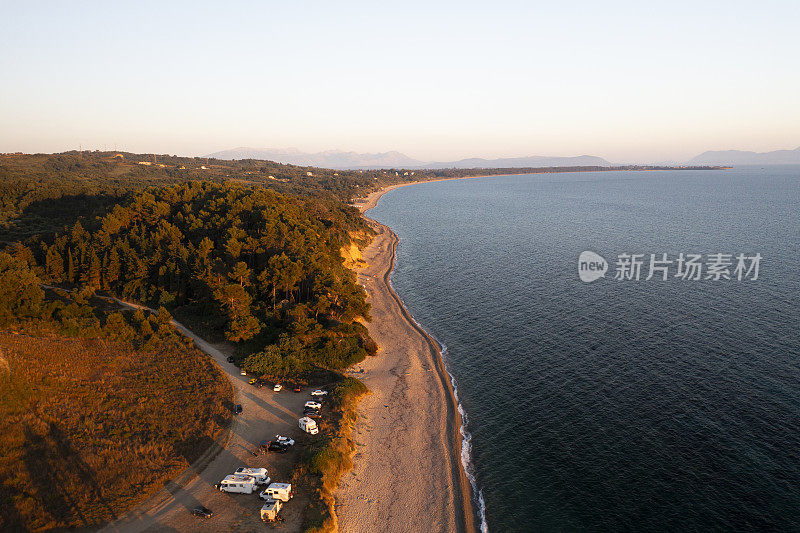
{"x":249,"y":251}
{"x":258,"y":265}
{"x":43,"y":192}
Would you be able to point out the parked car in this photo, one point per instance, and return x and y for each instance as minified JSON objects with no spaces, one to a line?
{"x":256,"y":383}
{"x":312,"y":414}
{"x":278,"y":387}
{"x":286,"y":440}
{"x":202,"y":512}
{"x":237,"y":409}
{"x":243,"y":372}
{"x":279,"y":447}
{"x":297,"y":388}
{"x":314,"y":405}
{"x":231,"y":359}
{"x":319,"y":392}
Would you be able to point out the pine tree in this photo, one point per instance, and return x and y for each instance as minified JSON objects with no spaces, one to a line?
{"x":54,"y":263}
{"x":70,"y":266}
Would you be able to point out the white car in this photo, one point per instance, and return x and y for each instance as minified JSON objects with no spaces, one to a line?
{"x":319,"y":392}
{"x":243,"y":373}
{"x":287,"y":440}
{"x":278,"y":387}
{"x":314,"y":405}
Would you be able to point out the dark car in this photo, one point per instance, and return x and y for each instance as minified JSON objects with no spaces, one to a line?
{"x":231,"y":359}
{"x":202,"y":512}
{"x":279,"y":447}
{"x":237,"y":409}
{"x":312,"y":414}
{"x":297,"y":388}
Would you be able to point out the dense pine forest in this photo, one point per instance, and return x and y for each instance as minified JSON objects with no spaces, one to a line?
{"x":259,"y":265}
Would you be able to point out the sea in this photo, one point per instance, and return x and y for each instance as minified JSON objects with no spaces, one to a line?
{"x":622,"y":403}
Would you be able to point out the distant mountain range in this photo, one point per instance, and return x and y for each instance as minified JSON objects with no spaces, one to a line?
{"x":524,"y":162}
{"x":739,"y":157}
{"x":353,"y":160}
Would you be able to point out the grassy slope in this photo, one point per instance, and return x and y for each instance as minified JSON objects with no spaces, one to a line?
{"x":89,"y":428}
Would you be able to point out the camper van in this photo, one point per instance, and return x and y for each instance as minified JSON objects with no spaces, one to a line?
{"x":308,"y":425}
{"x":277,"y":491}
{"x":270,"y":510}
{"x":237,"y":483}
{"x":259,"y":474}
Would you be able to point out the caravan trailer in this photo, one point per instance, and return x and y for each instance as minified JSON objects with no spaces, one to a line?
{"x":308,"y":425}
{"x":270,"y":510}
{"x":277,"y":491}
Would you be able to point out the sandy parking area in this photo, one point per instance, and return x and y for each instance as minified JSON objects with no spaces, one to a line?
{"x":265,"y":414}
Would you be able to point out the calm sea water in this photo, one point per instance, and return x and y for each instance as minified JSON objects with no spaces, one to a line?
{"x":615,"y":405}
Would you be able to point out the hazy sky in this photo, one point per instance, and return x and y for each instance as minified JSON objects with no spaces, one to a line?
{"x":629,"y":81}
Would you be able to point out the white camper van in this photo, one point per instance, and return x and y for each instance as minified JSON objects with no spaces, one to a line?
{"x":238,"y":483}
{"x":270,"y":510}
{"x":308,"y":425}
{"x":277,"y":491}
{"x":259,"y":474}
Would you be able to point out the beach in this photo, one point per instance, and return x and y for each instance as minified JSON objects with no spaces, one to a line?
{"x":407,"y":473}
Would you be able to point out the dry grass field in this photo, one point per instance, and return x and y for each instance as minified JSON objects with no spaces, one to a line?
{"x":88,"y":427}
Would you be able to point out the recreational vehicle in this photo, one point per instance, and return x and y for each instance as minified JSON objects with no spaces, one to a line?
{"x":238,"y":483}
{"x":259,"y":474}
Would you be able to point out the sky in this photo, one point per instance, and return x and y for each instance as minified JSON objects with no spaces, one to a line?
{"x":633,"y":82}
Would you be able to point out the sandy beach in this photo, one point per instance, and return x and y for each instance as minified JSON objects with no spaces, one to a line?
{"x":407,"y":473}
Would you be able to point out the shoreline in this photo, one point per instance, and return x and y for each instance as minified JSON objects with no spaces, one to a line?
{"x":462,"y":495}
{"x":454,"y":422}
{"x":372,"y":198}
{"x":457,"y":498}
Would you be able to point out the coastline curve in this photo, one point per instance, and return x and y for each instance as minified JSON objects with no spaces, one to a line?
{"x":469,"y":516}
